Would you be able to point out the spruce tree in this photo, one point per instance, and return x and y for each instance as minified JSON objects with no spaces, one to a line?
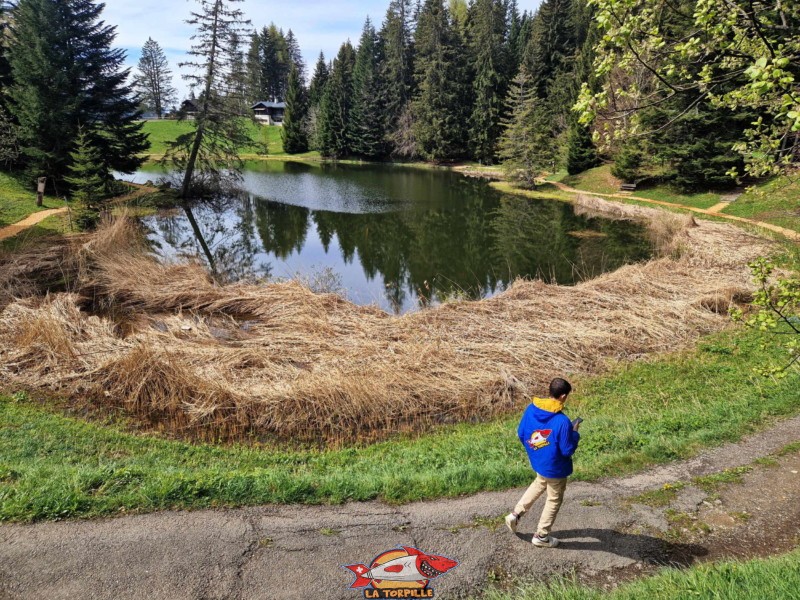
{"x":293,"y":132}
{"x":527,"y":146}
{"x":295,"y":56}
{"x":318,"y":81}
{"x":255,"y":87}
{"x":441,"y":104}
{"x":553,"y":43}
{"x":5,"y":68}
{"x":335,"y":135}
{"x":489,"y":53}
{"x":66,"y":76}
{"x":368,"y":126}
{"x":87,"y":180}
{"x":581,"y":151}
{"x":210,"y":153}
{"x":154,"y":79}
{"x":397,"y":67}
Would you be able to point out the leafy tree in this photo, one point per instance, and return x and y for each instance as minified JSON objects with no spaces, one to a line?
{"x":67,"y":76}
{"x":489,"y":52}
{"x":368,"y":125}
{"x":210,"y":152}
{"x":154,"y":79}
{"x":87,"y":180}
{"x":293,"y":132}
{"x":527,"y":146}
{"x":441,"y":106}
{"x":335,"y":125}
{"x":732,"y":53}
{"x":777,"y":311}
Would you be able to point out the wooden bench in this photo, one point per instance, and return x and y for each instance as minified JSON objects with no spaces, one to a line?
{"x":628,"y":187}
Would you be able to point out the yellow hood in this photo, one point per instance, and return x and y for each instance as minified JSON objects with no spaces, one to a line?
{"x":549,"y":404}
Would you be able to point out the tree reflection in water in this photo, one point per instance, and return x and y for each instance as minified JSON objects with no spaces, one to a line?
{"x":422,"y":238}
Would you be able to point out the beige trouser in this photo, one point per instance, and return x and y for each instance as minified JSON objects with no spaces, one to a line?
{"x":555,"y":496}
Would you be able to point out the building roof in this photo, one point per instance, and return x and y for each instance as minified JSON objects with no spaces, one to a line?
{"x":264,"y":104}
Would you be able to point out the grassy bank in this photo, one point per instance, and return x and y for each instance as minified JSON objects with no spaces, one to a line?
{"x":53,"y":466}
{"x":600,"y":181}
{"x":262,"y":137}
{"x":777,"y":578}
{"x":18,"y":200}
{"x":776,"y":201}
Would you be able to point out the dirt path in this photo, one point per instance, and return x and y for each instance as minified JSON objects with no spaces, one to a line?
{"x":28,"y":222}
{"x":16,"y":228}
{"x":713,"y":211}
{"x":292,"y":552}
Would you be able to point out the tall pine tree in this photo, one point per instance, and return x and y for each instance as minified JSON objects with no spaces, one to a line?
{"x":397,"y":67}
{"x":293,"y":132}
{"x":210,"y":152}
{"x":335,"y":124}
{"x":318,"y":81}
{"x":441,"y":104}
{"x":490,"y":58}
{"x":67,"y":76}
{"x":368,"y":128}
{"x":154,"y":79}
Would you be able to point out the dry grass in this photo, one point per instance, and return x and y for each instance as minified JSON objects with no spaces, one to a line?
{"x":278,"y":361}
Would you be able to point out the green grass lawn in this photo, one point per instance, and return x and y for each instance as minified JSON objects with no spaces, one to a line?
{"x":18,"y":200}
{"x":55,"y":466}
{"x":777,"y":578}
{"x":163,"y":132}
{"x":776,"y":201}
{"x":52,"y":225}
{"x":600,"y":180}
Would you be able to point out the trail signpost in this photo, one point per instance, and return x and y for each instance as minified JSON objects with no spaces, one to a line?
{"x":40,"y":190}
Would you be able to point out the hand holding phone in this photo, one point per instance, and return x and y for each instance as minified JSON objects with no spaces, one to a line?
{"x":577,"y":423}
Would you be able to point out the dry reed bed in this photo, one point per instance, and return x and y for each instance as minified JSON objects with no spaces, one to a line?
{"x":192,"y":358}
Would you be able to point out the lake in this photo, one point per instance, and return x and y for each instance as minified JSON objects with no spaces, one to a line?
{"x":401,"y":238}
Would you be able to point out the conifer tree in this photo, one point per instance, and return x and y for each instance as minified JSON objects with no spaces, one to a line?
{"x":66,"y":75}
{"x":237,"y":78}
{"x":489,"y":53}
{"x":335,"y":135}
{"x":5,"y":68}
{"x":293,"y":132}
{"x":527,"y":146}
{"x":440,"y":105}
{"x":368,"y":128}
{"x":552,"y":44}
{"x":87,"y":180}
{"x":581,"y":151}
{"x":295,"y":56}
{"x":255,"y":86}
{"x":154,"y":79}
{"x":318,"y":81}
{"x":212,"y":148}
{"x":397,"y":67}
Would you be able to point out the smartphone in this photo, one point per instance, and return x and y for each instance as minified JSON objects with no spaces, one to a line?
{"x":577,"y":422}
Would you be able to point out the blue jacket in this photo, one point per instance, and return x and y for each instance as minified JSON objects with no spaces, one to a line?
{"x":549,"y":438}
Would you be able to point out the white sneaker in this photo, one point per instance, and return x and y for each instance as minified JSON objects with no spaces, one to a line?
{"x":511,"y":522}
{"x":547,"y":542}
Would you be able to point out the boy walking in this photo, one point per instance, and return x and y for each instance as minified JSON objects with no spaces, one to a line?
{"x":550,"y":439}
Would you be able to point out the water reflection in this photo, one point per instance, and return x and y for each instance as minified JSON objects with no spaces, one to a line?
{"x":400,"y":238}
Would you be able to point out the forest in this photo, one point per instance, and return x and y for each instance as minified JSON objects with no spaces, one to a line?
{"x":666,"y":90}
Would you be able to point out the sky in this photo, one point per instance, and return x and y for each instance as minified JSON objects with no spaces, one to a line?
{"x":319,"y":25}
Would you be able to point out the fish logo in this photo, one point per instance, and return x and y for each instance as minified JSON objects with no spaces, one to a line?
{"x":539,"y":439}
{"x":404,"y":572}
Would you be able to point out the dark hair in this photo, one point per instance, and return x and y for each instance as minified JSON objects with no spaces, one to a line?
{"x":559,"y":387}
